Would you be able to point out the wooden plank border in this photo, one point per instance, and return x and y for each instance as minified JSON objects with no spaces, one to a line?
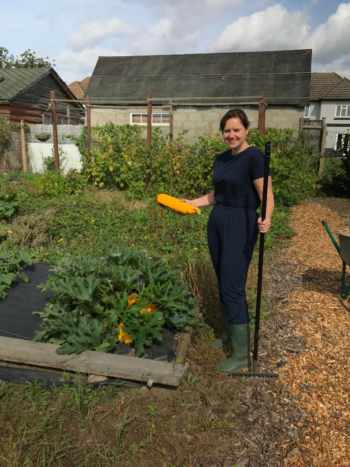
{"x":90,"y":362}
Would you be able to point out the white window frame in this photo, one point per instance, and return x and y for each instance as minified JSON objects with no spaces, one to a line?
{"x":341,"y":107}
{"x":307,"y":111}
{"x":336,"y":139}
{"x":143,"y":114}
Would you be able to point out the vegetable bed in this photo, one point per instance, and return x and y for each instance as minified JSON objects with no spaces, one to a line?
{"x":125,"y":296}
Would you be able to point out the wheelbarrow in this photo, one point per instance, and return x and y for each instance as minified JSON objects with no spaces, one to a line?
{"x":344,"y":252}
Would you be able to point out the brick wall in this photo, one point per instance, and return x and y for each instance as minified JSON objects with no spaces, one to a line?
{"x":11,"y":155}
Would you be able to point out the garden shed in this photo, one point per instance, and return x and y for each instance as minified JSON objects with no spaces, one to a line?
{"x":193,"y":91}
{"x":25,"y":95}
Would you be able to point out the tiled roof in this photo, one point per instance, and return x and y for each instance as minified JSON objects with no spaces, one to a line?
{"x":329,"y":86}
{"x":340,"y":91}
{"x":78,"y":88}
{"x":17,"y":80}
{"x":84,"y":84}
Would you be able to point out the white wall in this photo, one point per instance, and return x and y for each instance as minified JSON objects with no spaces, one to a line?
{"x":38,"y":151}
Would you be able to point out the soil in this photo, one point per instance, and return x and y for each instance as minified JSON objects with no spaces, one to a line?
{"x":301,"y":418}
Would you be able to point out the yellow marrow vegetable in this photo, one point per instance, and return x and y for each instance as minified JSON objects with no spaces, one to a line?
{"x":176,"y":205}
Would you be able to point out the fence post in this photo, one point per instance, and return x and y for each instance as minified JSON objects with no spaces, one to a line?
{"x":262,"y":113}
{"x":149,"y":119}
{"x":323,"y":146}
{"x":301,"y":125}
{"x":88,"y":126}
{"x":24,"y":149}
{"x":54,"y":129}
{"x":171,"y":120}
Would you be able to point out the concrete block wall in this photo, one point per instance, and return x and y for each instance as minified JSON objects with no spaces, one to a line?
{"x":284,"y":117}
{"x":11,"y":155}
{"x":201,"y":121}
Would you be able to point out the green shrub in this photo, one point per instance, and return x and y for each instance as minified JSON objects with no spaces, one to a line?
{"x":52,"y":184}
{"x":9,"y":205}
{"x":335,"y":180}
{"x":5,"y":132}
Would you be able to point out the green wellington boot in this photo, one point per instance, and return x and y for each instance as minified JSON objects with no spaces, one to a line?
{"x":224,"y":332}
{"x":240,"y":357}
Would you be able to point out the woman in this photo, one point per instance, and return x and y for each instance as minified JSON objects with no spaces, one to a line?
{"x":233,"y":229}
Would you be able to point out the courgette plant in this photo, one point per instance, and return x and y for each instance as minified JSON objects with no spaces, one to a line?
{"x":11,"y":269}
{"x":124,"y":296}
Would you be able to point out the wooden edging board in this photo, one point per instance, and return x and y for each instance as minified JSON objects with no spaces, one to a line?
{"x":90,"y":362}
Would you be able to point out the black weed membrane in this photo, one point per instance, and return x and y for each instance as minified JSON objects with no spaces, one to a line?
{"x":20,"y":319}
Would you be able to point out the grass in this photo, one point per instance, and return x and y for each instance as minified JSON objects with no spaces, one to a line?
{"x":76,"y":425}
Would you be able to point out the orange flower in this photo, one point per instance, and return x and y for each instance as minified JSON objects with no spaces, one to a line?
{"x":124,"y":336}
{"x":120,"y":335}
{"x":150,"y":309}
{"x":132,"y":299}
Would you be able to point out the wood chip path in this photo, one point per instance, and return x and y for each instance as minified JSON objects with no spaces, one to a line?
{"x":319,"y":377}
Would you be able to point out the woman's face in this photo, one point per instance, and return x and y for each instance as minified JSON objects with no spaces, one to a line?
{"x":234,"y":133}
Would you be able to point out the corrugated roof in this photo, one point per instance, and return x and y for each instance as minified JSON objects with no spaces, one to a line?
{"x":17,"y":80}
{"x":282,"y":75}
{"x":329,"y":86}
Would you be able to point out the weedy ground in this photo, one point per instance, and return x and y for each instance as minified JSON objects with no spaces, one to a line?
{"x":210,"y":420}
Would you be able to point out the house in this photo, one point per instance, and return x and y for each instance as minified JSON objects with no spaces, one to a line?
{"x":25,"y":95}
{"x":78,"y":88}
{"x":197,"y":89}
{"x":330,"y":101}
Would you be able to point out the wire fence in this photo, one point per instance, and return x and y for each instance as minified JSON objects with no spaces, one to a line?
{"x":337,"y":143}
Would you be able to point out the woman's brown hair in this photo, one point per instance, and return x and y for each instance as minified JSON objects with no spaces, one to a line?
{"x":234,"y":113}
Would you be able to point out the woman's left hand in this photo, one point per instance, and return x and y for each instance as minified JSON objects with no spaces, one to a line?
{"x":264,"y":226}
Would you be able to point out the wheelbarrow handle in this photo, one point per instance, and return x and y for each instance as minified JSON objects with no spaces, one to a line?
{"x":335,"y":243}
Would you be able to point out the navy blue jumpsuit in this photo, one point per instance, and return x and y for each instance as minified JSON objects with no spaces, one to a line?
{"x":232,"y":226}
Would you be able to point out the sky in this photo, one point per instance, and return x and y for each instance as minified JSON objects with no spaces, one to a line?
{"x":77,"y":32}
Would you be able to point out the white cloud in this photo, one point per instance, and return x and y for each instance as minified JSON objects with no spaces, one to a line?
{"x":83,"y":62}
{"x":331,"y":40}
{"x":275,"y":28}
{"x":341,"y":66}
{"x":95,"y":32}
{"x":271,"y":29}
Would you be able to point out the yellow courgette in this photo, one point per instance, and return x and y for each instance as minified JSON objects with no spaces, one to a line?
{"x":176,"y":205}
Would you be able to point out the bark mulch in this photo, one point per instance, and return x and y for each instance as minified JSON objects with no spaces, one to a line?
{"x":318,"y":378}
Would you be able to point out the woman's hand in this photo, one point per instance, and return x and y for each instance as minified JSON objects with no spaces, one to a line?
{"x":264,"y":226}
{"x":188,"y":201}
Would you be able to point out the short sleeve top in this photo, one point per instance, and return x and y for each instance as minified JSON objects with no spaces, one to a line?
{"x":234,"y":175}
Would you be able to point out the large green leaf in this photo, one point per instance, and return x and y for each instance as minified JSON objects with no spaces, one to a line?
{"x":7,"y":278}
{"x":79,"y":288}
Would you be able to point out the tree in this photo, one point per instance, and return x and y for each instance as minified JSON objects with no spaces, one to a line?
{"x":27,"y":59}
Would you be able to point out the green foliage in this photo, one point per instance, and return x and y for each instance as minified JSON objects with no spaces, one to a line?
{"x":294,"y":164}
{"x":120,"y":159}
{"x":49,"y":161}
{"x":5,"y":132}
{"x":122,"y":295}
{"x":50,"y":185}
{"x":335,"y":180}
{"x":11,"y":269}
{"x":27,"y":59}
{"x":9,"y":205}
